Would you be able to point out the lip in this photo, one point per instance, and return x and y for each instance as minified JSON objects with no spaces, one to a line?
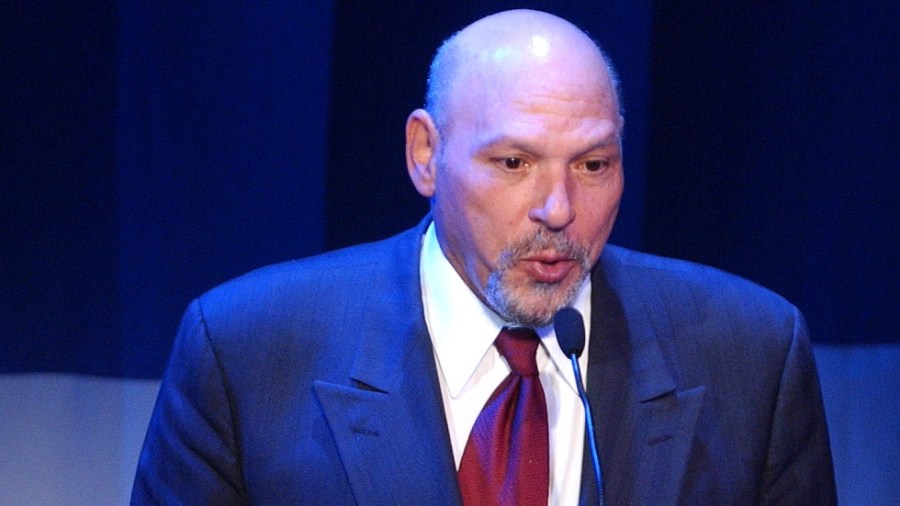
{"x":547,"y":268}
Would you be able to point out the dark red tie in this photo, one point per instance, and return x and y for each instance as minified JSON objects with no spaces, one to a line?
{"x":506,"y":460}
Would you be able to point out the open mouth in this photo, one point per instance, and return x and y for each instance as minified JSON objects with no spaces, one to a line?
{"x":548,"y":268}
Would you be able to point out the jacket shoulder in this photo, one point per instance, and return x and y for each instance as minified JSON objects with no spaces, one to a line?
{"x":689,"y":281}
{"x":313,"y":296}
{"x":345,"y":270}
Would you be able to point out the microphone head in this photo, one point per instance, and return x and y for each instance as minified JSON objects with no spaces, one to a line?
{"x":569,"y":327}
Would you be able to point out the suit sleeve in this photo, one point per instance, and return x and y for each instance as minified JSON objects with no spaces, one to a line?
{"x":799,"y":469}
{"x":190,"y":454}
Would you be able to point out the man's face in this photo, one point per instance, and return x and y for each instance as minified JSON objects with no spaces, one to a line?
{"x":529,"y":178}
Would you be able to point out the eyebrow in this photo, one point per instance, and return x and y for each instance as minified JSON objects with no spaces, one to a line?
{"x":502,"y":141}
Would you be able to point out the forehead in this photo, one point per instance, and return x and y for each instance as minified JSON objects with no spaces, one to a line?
{"x":530,"y":105}
{"x":543,"y":78}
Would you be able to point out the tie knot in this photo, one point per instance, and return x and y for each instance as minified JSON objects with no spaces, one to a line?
{"x":519,"y":346}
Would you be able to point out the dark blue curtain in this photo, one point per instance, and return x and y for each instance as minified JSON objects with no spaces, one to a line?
{"x":149,"y":153}
{"x":58,"y":219}
{"x":153,"y":151}
{"x":156,"y":150}
{"x":773,"y":153}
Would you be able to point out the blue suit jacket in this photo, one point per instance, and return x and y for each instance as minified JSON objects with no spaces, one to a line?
{"x":313,"y":382}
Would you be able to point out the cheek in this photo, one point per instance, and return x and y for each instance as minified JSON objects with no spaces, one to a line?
{"x":598,"y":218}
{"x":489,"y":208}
{"x":466,"y":211}
{"x":488,"y":228}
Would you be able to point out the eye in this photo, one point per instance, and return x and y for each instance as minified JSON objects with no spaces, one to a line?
{"x":513,"y":163}
{"x":595,"y":165}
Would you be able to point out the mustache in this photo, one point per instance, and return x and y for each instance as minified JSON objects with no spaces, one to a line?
{"x":542,"y":240}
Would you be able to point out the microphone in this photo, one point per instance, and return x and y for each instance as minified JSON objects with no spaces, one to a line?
{"x":569,"y":327}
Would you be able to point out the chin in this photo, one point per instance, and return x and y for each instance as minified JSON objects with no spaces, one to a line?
{"x":531,"y":306}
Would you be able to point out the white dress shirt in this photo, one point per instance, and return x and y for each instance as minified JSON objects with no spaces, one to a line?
{"x":470,"y":368}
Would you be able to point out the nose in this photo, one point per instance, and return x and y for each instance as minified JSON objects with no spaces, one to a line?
{"x":553,"y":207}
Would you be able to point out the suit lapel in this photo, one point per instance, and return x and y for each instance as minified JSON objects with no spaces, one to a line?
{"x":388,"y":422}
{"x":393,"y":444}
{"x":645,"y":425}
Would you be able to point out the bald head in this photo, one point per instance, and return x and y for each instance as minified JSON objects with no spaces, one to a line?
{"x":509,"y":47}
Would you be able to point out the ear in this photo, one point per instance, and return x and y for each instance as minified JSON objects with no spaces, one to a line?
{"x":421,"y":151}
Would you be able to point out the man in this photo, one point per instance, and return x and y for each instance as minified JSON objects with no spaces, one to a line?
{"x":359,"y":376}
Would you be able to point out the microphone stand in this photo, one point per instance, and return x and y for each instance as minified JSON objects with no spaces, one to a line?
{"x":589,"y":426}
{"x":569,"y":326}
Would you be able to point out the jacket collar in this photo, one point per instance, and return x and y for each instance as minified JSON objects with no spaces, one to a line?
{"x":644,"y":423}
{"x":388,"y":422}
